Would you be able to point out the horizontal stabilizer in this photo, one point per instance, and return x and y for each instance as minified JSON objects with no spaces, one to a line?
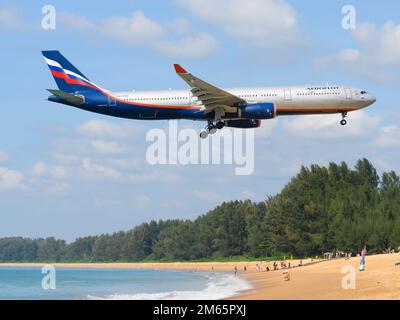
{"x":68,"y":97}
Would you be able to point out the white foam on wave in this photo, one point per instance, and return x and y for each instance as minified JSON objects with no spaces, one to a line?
{"x":218,"y":287}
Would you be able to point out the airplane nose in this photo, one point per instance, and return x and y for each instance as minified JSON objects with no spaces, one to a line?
{"x":368,"y":100}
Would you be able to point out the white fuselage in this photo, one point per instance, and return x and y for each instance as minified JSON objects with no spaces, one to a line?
{"x":288,"y":100}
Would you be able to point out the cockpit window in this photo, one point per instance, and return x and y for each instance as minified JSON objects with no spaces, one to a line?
{"x":363,"y":92}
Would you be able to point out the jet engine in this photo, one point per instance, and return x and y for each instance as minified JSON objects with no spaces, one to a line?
{"x":258,"y":111}
{"x":243,"y":123}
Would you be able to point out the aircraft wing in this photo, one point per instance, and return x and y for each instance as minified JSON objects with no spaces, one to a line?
{"x":208,"y":95}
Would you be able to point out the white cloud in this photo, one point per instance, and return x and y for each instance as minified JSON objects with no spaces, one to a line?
{"x":93,"y":169}
{"x":106,"y":129}
{"x":345,"y":56}
{"x":389,"y":136}
{"x":10,"y":179}
{"x":58,"y":189}
{"x":3,"y":156}
{"x":58,"y":171}
{"x":260,"y":23}
{"x":108,"y":147}
{"x":328,"y":127}
{"x":139,"y":30}
{"x":380,"y":44}
{"x":38,"y":168}
{"x":100,"y":171}
{"x":179,"y":25}
{"x":352,"y":61}
{"x":76,"y":21}
{"x":103,"y":151}
{"x":376,"y":52}
{"x":136,"y":29}
{"x":196,"y":47}
{"x":9,"y":19}
{"x":266,"y":128}
{"x":349,"y":55}
{"x":127,"y":162}
{"x":65,"y":158}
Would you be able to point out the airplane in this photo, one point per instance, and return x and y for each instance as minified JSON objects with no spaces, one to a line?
{"x":237,"y":107}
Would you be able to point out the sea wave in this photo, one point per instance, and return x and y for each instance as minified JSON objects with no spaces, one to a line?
{"x":219,"y":286}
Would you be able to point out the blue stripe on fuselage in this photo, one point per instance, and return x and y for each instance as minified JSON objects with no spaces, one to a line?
{"x":134,"y":111}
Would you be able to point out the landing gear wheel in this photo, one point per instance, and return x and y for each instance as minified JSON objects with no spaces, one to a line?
{"x":343,"y":122}
{"x":220,"y":124}
{"x":203,"y":134}
{"x":211,"y":129}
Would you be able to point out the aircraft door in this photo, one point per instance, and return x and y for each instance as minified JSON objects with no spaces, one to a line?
{"x":111,"y":101}
{"x":287,"y":93}
{"x":347,"y":92}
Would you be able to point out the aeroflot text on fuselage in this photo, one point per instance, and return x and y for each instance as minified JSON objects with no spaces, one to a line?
{"x":236,"y":107}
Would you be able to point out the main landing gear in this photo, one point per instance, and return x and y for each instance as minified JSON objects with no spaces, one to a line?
{"x":343,"y":122}
{"x":212,"y":128}
{"x":214,"y":125}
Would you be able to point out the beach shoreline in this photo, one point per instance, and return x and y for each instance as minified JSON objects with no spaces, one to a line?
{"x":232,"y":268}
{"x":322,"y":280}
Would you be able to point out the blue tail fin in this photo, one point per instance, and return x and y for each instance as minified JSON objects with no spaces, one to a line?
{"x":68,"y":78}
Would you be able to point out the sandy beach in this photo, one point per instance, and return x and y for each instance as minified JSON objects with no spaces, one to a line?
{"x":312,"y":280}
{"x":380,"y":280}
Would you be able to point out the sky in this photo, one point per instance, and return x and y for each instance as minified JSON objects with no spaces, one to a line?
{"x":65,"y":172}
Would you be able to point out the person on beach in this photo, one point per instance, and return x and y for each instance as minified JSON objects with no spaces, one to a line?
{"x":235,"y":270}
{"x":362,"y":261}
{"x":364,"y":252}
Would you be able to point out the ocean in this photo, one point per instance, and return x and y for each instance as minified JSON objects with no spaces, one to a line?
{"x":121,"y":284}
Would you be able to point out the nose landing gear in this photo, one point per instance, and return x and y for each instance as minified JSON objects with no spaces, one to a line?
{"x":343,"y":122}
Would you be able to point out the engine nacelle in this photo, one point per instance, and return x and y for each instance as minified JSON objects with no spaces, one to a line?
{"x":243,"y":123}
{"x":265,"y":110}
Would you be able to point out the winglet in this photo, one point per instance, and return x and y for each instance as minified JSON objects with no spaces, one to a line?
{"x":179,"y":69}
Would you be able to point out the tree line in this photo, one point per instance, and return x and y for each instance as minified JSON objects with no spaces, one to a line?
{"x":321,"y":209}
